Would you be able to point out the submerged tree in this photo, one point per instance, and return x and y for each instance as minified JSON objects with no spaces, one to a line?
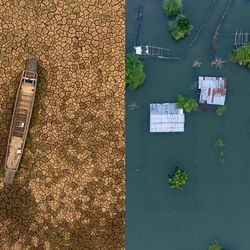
{"x":221,"y":110}
{"x":187,"y":103}
{"x":134,"y":68}
{"x":180,"y":27}
{"x":178,"y":179}
{"x":215,"y":246}
{"x":181,"y":101}
{"x":217,"y":63}
{"x":242,"y":56}
{"x":191,"y":104}
{"x":196,"y":64}
{"x":218,"y":143}
{"x":172,"y":7}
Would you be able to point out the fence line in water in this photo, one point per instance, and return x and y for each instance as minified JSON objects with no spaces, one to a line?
{"x":216,"y":33}
{"x":139,"y":21}
{"x":204,"y":21}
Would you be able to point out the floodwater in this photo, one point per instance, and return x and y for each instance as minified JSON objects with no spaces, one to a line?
{"x":216,"y":203}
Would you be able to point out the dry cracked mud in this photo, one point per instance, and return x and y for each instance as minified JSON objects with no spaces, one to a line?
{"x":69,"y":190}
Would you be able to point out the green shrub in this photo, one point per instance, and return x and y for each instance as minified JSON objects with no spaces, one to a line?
{"x":135,"y":75}
{"x":181,"y":101}
{"x":188,"y":104}
{"x":180,"y":27}
{"x":221,"y":110}
{"x":242,"y":56}
{"x":218,"y":143}
{"x":178,"y":179}
{"x":215,"y":246}
{"x":172,"y":7}
{"x":191,"y":104}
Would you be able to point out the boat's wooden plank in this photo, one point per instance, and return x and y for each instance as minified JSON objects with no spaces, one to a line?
{"x":19,"y":129}
{"x":21,"y":110}
{"x":18,"y":134}
{"x":21,"y":117}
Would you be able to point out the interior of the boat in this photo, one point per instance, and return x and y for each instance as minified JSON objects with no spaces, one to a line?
{"x":20,"y":125}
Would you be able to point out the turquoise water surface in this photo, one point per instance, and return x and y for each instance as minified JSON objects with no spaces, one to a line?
{"x":216,"y":203}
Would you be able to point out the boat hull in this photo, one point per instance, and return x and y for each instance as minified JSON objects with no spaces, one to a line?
{"x":21,"y":119}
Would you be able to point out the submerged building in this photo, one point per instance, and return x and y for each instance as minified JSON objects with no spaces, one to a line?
{"x":213,"y":90}
{"x":166,"y":117}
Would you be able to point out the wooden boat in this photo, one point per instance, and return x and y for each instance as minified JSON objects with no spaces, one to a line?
{"x":21,"y":119}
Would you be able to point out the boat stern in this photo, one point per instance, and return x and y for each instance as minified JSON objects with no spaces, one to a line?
{"x":9,"y":176}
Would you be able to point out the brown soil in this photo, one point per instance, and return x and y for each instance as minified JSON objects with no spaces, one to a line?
{"x":69,"y":190}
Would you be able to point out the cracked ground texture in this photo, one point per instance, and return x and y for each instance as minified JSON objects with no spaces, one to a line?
{"x":69,"y":190}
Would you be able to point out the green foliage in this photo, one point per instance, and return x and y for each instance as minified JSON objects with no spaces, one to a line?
{"x":180,"y":27}
{"x":135,"y":75}
{"x":221,"y":110}
{"x":31,"y":210}
{"x":218,"y":143}
{"x":184,"y":23}
{"x":180,"y":101}
{"x":172,"y":7}
{"x":191,"y":104}
{"x":178,"y":179}
{"x":242,"y":56}
{"x":215,"y":246}
{"x":188,"y":104}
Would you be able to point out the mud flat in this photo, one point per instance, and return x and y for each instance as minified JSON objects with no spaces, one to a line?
{"x":69,"y":190}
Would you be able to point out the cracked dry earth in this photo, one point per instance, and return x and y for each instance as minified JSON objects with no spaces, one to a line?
{"x":69,"y":190}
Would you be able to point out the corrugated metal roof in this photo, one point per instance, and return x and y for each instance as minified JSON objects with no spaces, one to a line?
{"x":166,"y":117}
{"x":213,"y":90}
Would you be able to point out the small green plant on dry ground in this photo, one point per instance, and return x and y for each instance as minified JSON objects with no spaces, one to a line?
{"x":187,"y":103}
{"x":178,"y":179}
{"x":241,"y":56}
{"x":221,"y":110}
{"x":135,"y":75}
{"x":30,"y":210}
{"x":172,"y":7}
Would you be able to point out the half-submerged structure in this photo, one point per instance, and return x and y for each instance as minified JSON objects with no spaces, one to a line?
{"x":241,"y":38}
{"x":21,"y":119}
{"x":166,"y":117}
{"x":213,"y":90}
{"x":148,"y":51}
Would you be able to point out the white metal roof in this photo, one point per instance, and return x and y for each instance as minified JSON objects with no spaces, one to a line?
{"x":166,"y":117}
